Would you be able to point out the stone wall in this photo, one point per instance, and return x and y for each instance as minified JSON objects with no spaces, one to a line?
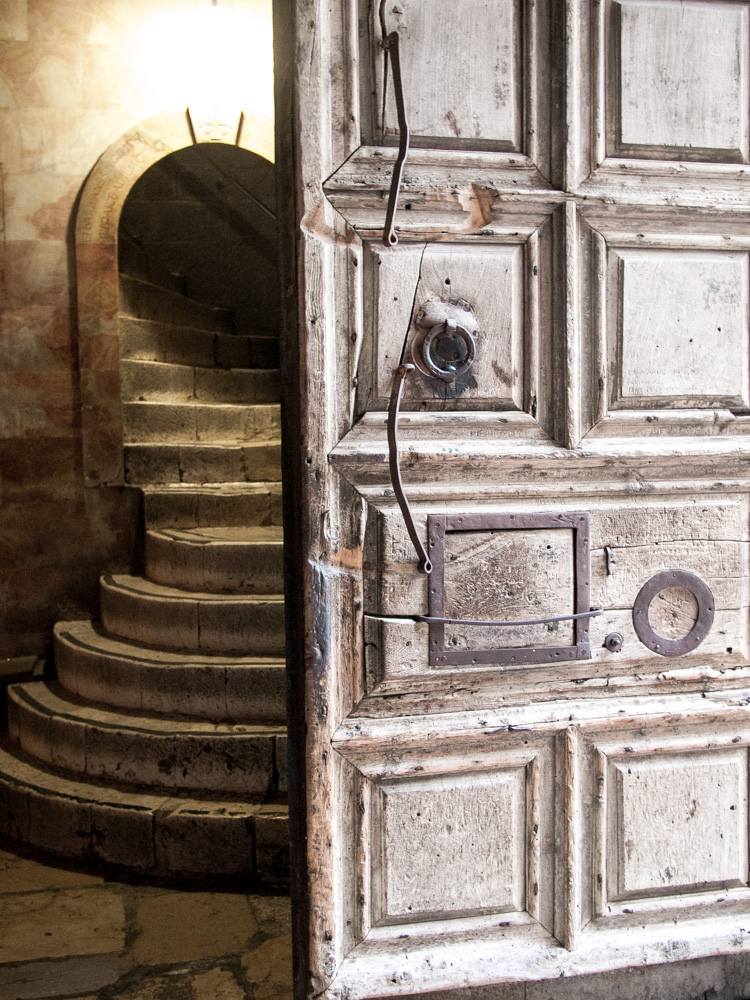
{"x":70,"y":85}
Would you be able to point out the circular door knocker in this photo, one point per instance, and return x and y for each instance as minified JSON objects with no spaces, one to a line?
{"x":662,"y":581}
{"x":448,"y":350}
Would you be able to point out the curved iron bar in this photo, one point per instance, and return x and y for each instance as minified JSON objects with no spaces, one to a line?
{"x":425,"y":565}
{"x":390,"y":44}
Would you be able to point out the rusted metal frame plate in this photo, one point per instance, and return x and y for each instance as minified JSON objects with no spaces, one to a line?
{"x":438,"y":525}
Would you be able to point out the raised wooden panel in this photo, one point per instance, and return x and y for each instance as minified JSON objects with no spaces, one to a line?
{"x":450,"y":845}
{"x":677,"y":822}
{"x":677,"y":328}
{"x":499,"y":282}
{"x":664,"y":813}
{"x":458,"y":827}
{"x":665,"y":346}
{"x":678,"y":80}
{"x":510,"y":575}
{"x":507,"y":577}
{"x":474,"y":96}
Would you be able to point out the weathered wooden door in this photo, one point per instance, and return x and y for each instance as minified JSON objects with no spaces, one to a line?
{"x":557,"y":808}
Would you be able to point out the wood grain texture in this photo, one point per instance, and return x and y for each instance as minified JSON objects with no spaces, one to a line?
{"x":490,"y":280}
{"x":653,"y":445}
{"x":681,"y":334}
{"x":478,"y":98}
{"x":509,"y":575}
{"x":669,"y":103}
{"x":679,"y":822}
{"x":450,"y":846}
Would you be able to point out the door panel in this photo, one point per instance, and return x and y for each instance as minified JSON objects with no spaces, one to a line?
{"x":663,"y":839}
{"x":667,"y":821}
{"x":494,"y":279}
{"x":463,"y":105}
{"x":629,"y":824}
{"x":530,"y":765}
{"x":520,"y":577}
{"x":491,"y":89}
{"x":466,"y":833}
{"x":678,"y":310}
{"x":422,"y":870}
{"x":664,"y":102}
{"x":667,"y":338}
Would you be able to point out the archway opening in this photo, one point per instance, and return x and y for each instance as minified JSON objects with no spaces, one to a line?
{"x":176,"y":792}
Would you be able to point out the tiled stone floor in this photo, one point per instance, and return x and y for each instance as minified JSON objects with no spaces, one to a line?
{"x":68,"y":932}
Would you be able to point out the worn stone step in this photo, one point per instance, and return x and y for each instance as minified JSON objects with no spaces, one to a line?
{"x":149,"y":833}
{"x":100,"y":667}
{"x":163,"y":382}
{"x":239,"y":559}
{"x":134,"y":262}
{"x":205,"y":462}
{"x":144,"y":300}
{"x":185,"y":423}
{"x":151,"y":340}
{"x":178,"y":505}
{"x":148,"y":340}
{"x":165,"y":617}
{"x":94,"y":741}
{"x":157,"y":381}
{"x":13,"y":670}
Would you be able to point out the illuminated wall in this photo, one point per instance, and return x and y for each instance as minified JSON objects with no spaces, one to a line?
{"x":75,"y":75}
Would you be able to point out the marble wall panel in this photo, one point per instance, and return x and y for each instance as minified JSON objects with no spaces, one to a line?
{"x":34,"y":403}
{"x":66,"y":141}
{"x":38,"y":206}
{"x":33,"y":273}
{"x":14,"y":21}
{"x":36,"y":338}
{"x":42,"y":74}
{"x":10,"y":138}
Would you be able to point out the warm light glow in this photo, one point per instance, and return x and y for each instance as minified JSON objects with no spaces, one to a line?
{"x":208,"y":57}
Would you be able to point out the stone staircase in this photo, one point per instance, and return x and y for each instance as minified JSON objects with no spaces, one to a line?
{"x":160,"y":745}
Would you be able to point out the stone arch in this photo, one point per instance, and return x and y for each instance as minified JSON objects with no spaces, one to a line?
{"x":97,"y":278}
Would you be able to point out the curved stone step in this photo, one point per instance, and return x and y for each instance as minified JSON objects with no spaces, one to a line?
{"x":155,"y":834}
{"x":207,"y":462}
{"x":188,"y":505}
{"x":176,"y":383}
{"x":246,"y":760}
{"x":242,"y":560}
{"x":145,"y":300}
{"x":184,"y":344}
{"x":219,"y":423}
{"x":101,"y":667}
{"x":139,"y":609}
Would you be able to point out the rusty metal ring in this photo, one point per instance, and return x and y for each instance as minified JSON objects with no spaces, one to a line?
{"x":699,"y":590}
{"x":448,"y":374}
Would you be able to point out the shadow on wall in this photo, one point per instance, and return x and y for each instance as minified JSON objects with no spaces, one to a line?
{"x":202,"y":221}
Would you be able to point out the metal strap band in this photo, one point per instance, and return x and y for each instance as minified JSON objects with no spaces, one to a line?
{"x":430,"y":620}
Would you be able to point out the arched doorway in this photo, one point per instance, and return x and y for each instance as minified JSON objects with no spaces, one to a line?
{"x":181,"y":685}
{"x":102,"y":199}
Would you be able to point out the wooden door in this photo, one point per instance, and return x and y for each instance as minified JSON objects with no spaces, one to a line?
{"x":544,"y":810}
